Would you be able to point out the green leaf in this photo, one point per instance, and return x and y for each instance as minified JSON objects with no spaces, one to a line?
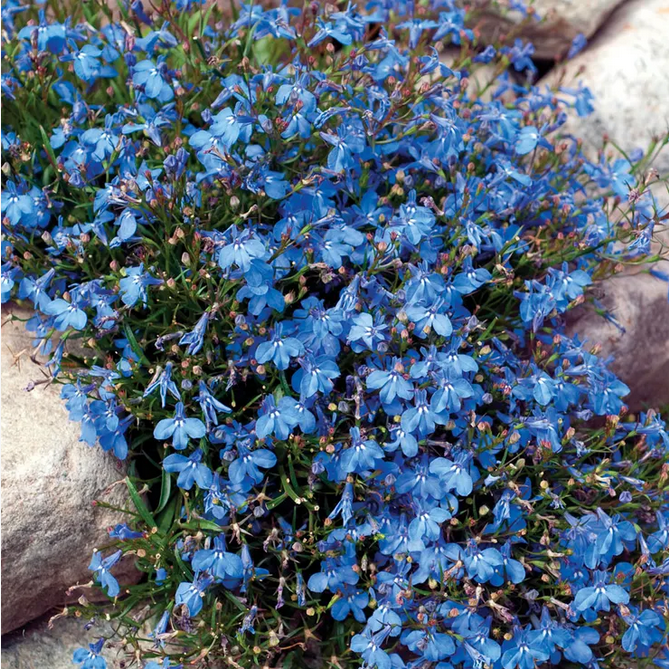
{"x":48,"y":148}
{"x":134,"y":345}
{"x":137,"y":500}
{"x":165,"y":491}
{"x":166,"y":517}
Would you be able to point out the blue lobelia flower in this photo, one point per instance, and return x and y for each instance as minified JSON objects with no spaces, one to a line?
{"x":248,"y":462}
{"x":278,"y":419}
{"x":191,"y":595}
{"x":390,"y":384}
{"x":361,"y":455}
{"x":210,"y":406}
{"x":332,"y":576}
{"x":66,"y":314}
{"x":644,"y":630}
{"x":195,"y":338}
{"x":600,"y":595}
{"x":279,"y":349}
{"x":90,"y":659}
{"x":526,"y":650}
{"x":163,"y":380}
{"x":218,"y":561}
{"x":429,"y":644}
{"x":368,"y":645}
{"x":180,"y":428}
{"x":315,"y":376}
{"x":100,"y":567}
{"x":421,"y":418}
{"x":134,"y":285}
{"x":351,"y":600}
{"x":428,"y":317}
{"x":150,"y":77}
{"x":191,"y":470}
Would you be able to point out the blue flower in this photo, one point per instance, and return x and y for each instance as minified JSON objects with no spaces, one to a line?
{"x":210,"y":406}
{"x":241,"y":251}
{"x":361,"y":455}
{"x":191,"y":470}
{"x":471,"y":278}
{"x":150,"y":77}
{"x":90,"y":659}
{"x":351,"y":600}
{"x":134,"y":285}
{"x":163,"y":380}
{"x":644,"y":630}
{"x":67,"y":314}
{"x":218,"y":562}
{"x":457,"y":474}
{"x":277,"y":419}
{"x":191,"y":595}
{"x":315,"y":376}
{"x":527,"y":649}
{"x":365,"y":328}
{"x":421,"y":418}
{"x":248,"y":462}
{"x":390,"y":384}
{"x":600,"y":595}
{"x":432,"y":646}
{"x":368,"y":646}
{"x":279,"y":349}
{"x":195,"y":338}
{"x":101,"y":568}
{"x":430,"y":317}
{"x":180,"y":428}
{"x":332,"y":576}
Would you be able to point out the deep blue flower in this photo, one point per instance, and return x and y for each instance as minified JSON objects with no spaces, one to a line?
{"x":191,"y":470}
{"x":600,"y":595}
{"x":180,"y":428}
{"x":162,"y":380}
{"x":218,"y":562}
{"x":101,"y":568}
{"x":66,"y":314}
{"x":279,"y":349}
{"x":191,"y":595}
{"x":90,"y":659}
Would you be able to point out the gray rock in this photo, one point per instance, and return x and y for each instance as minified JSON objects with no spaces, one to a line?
{"x":50,"y":480}
{"x":640,"y":352}
{"x":626,"y":67}
{"x":562,"y":20}
{"x":38,"y":647}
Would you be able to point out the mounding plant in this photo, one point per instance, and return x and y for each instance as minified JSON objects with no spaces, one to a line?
{"x":306,"y":270}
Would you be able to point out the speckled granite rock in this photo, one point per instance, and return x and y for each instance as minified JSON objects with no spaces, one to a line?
{"x":626,"y":67}
{"x":49,"y":481}
{"x":38,"y":647}
{"x":562,"y":21}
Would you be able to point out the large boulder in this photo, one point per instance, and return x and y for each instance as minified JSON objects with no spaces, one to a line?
{"x":561,"y":21}
{"x":626,"y":67}
{"x":50,"y":480}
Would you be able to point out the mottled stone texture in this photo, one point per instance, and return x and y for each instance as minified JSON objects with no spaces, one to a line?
{"x":552,"y":37}
{"x":38,"y":647}
{"x":49,"y":481}
{"x":626,"y":67}
{"x":641,"y":352}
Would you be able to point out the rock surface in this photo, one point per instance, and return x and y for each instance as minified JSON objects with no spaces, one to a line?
{"x":626,"y":67}
{"x":562,"y":21}
{"x":49,"y":481}
{"x":641,"y":352}
{"x":38,"y":647}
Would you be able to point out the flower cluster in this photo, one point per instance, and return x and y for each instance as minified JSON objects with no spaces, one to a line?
{"x":317,"y":261}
